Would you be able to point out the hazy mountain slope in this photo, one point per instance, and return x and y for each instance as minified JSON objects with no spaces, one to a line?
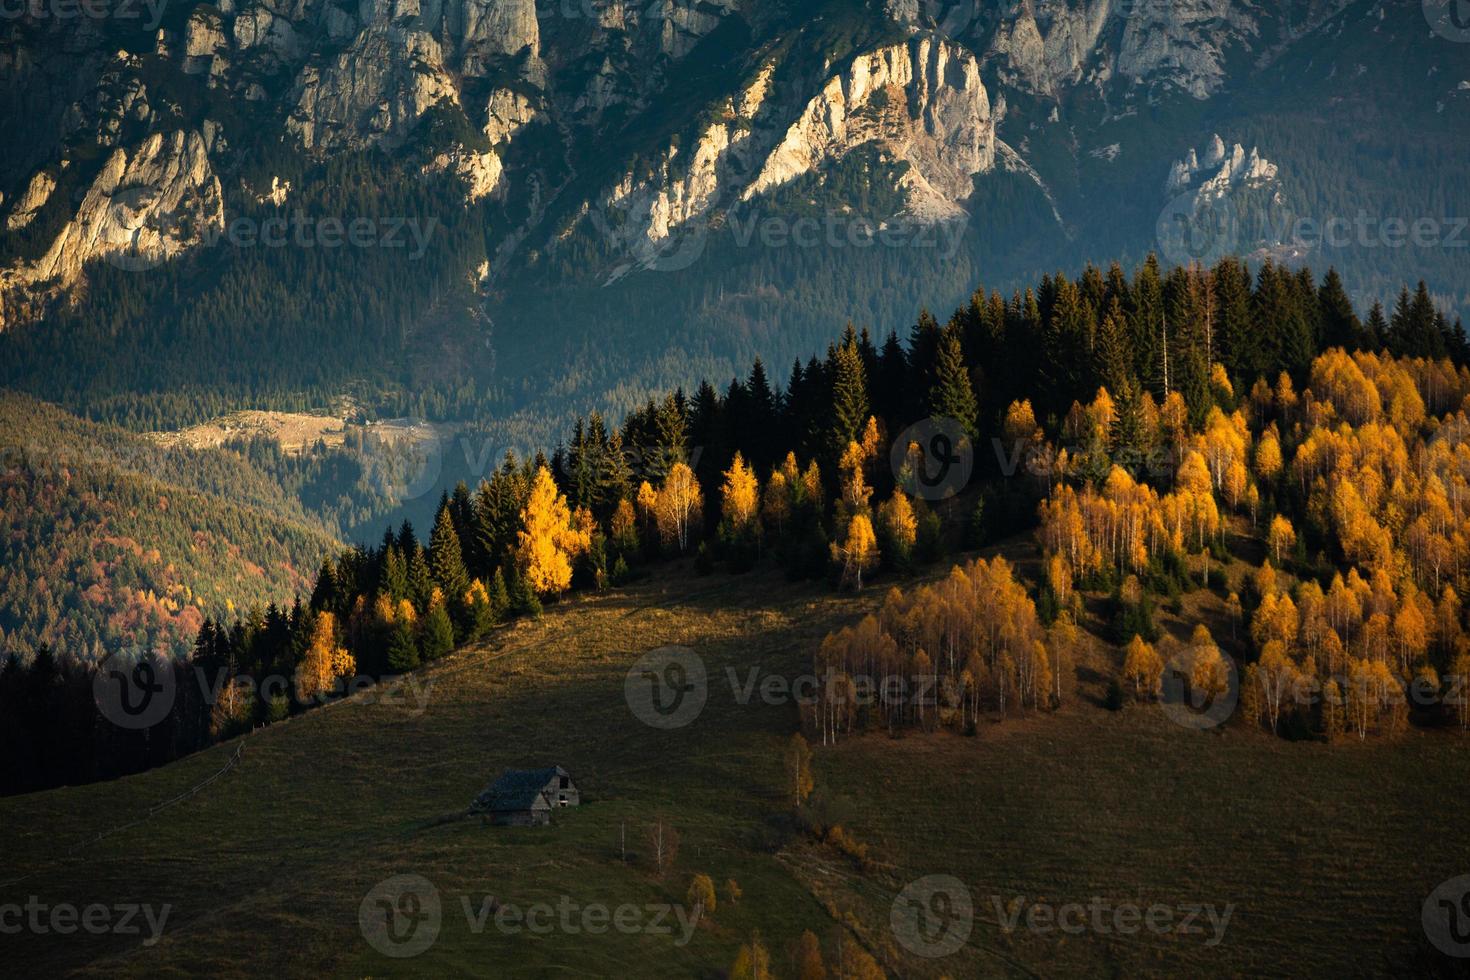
{"x":110,"y":541}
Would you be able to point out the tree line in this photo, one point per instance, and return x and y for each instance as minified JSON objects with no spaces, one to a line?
{"x":801,"y":475}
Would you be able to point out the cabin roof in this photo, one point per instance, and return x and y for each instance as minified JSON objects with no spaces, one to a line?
{"x":519,"y":789}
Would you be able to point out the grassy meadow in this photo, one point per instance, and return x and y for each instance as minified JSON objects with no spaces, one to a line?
{"x":1322,"y":853}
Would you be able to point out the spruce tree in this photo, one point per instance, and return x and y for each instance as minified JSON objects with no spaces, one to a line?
{"x":671,"y":438}
{"x":324,"y":593}
{"x":1426,"y":328}
{"x":403,"y":651}
{"x":1340,"y":327}
{"x":497,"y":515}
{"x":499,"y":598}
{"x":446,"y":560}
{"x":1146,"y":325}
{"x":1235,"y":339}
{"x":762,"y":436}
{"x":923,"y":351}
{"x":1399,"y":338}
{"x":952,"y":395}
{"x":1375,"y":328}
{"x":849,"y":398}
{"x":394,"y":580}
{"x":420,"y":580}
{"x":1114,"y":359}
{"x":615,"y":479}
{"x":437,"y":637}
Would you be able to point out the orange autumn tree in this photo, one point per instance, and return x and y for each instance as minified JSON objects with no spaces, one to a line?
{"x":859,"y":553}
{"x":325,"y":660}
{"x":1144,"y":667}
{"x":900,"y":526}
{"x":549,"y":538}
{"x":1281,"y":536}
{"x":740,"y":494}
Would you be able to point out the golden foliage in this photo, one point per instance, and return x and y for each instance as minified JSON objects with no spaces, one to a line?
{"x":549,"y":539}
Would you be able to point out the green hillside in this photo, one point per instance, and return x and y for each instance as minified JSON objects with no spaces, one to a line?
{"x":112,"y":541}
{"x":1323,"y":853}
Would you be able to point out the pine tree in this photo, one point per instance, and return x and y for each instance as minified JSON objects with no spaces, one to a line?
{"x":420,"y":580}
{"x":1340,"y":327}
{"x":403,"y":650}
{"x":849,"y":398}
{"x":437,"y":636}
{"x":890,"y":385}
{"x":1114,"y":359}
{"x":1375,"y":329}
{"x":952,"y":395}
{"x":446,"y":560}
{"x":499,"y":597}
{"x":324,"y":593}
{"x":393,"y":582}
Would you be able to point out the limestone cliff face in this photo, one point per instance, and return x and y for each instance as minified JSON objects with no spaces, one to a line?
{"x":335,"y":76}
{"x":1045,"y":46}
{"x":37,"y":193}
{"x":921,"y":102}
{"x":144,"y":207}
{"x":638,"y":216}
{"x":1215,"y":173}
{"x":374,"y":92}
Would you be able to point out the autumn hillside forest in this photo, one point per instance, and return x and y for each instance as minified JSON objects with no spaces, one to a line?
{"x":1233,"y":446}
